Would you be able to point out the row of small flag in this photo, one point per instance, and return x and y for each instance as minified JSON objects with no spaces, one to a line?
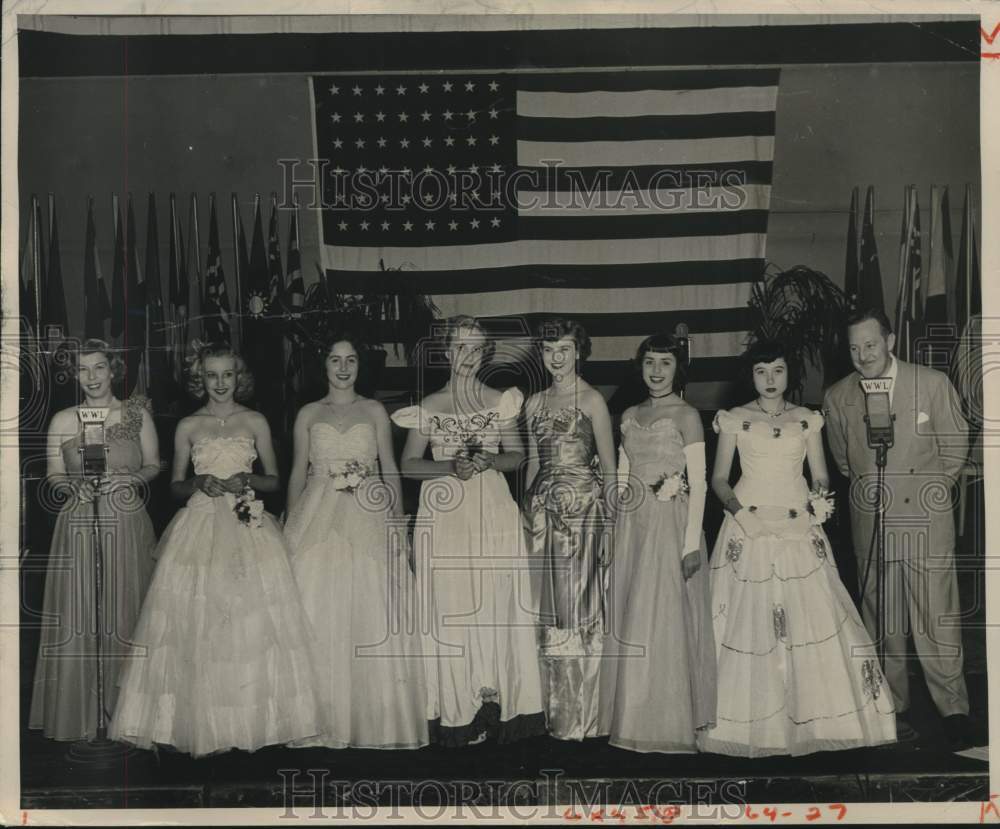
{"x":152,"y":326}
{"x":938,"y":306}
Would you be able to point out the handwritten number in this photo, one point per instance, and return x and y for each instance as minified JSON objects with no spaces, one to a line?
{"x":770,"y":813}
{"x":813,"y":813}
{"x":840,"y":808}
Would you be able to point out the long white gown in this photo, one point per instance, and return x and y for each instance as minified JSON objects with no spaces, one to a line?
{"x":797,"y":671}
{"x":474,"y":589}
{"x":357,"y":589}
{"x":222,"y":657}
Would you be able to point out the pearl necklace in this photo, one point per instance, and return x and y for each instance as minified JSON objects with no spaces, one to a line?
{"x":784,"y":408}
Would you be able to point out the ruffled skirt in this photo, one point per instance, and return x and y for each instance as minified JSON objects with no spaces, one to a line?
{"x":797,"y":670}
{"x":222,"y":657}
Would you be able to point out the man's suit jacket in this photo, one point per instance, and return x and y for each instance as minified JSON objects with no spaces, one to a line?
{"x":930,"y":449}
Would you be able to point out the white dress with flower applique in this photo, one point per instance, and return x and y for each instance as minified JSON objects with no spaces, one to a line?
{"x":797,"y":671}
{"x":357,"y":589}
{"x":474,"y":590}
{"x":221,"y":654}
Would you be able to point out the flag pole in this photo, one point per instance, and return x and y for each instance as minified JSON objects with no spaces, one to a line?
{"x":237,"y":242}
{"x":196,"y":241}
{"x":36,"y":268}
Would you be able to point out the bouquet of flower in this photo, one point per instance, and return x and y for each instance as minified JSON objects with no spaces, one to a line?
{"x":669,"y":487}
{"x":350,"y":477}
{"x":472,"y":445}
{"x":248,"y":508}
{"x":820,"y":506}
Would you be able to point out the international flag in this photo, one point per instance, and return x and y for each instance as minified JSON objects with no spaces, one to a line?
{"x":629,"y":200}
{"x":275,"y":275}
{"x":870,"y":294}
{"x":909,"y":306}
{"x":55,"y":320}
{"x":852,"y":265}
{"x":242,"y":261}
{"x":295,"y":293}
{"x":32,"y":268}
{"x":157,"y":363}
{"x":97,"y":308}
{"x":177,"y":310}
{"x":133,"y":307}
{"x":217,"y":316}
{"x":940,"y":262}
{"x":195,"y":328}
{"x":966,"y":300}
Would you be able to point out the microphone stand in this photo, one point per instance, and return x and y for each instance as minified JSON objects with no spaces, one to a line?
{"x":881,"y":448}
{"x":98,"y":752}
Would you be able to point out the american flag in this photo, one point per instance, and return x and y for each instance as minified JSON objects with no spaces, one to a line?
{"x":630,"y":201}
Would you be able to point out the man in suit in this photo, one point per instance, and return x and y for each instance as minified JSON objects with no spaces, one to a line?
{"x":931,"y":446}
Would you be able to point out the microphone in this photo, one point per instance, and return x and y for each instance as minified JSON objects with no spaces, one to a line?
{"x":681,"y":333}
{"x":879,"y":419}
{"x":93,"y":448}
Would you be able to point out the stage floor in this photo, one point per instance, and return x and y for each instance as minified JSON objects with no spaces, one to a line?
{"x":555,"y":771}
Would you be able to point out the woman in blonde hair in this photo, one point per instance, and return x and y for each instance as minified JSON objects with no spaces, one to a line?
{"x":222,"y":654}
{"x":64,"y":698}
{"x":482,"y":668}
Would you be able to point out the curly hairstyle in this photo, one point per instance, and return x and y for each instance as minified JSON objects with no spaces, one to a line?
{"x":196,"y":375}
{"x":554,"y":329}
{"x":74,"y":351}
{"x":460,"y":321}
{"x":663,"y":343}
{"x":357,"y":342}
{"x":767,"y":351}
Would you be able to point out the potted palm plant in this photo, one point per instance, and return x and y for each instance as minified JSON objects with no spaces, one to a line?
{"x":807,"y":311}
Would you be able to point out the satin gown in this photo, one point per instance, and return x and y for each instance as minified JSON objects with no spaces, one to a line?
{"x":351,"y":567}
{"x":222,"y":656}
{"x":474,"y":591}
{"x":64,"y":696}
{"x":565,"y":521}
{"x":797,"y":670}
{"x":658,"y":683}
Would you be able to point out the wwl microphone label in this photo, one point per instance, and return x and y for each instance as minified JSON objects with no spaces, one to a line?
{"x":877,"y":385}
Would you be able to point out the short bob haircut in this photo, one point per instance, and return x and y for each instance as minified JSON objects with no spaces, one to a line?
{"x":872,"y":313}
{"x":196,"y":375}
{"x":460,"y":321}
{"x":73,"y":352}
{"x":556,"y":328}
{"x":767,"y":351}
{"x":663,"y":343}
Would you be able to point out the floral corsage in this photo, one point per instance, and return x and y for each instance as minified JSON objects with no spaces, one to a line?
{"x":669,"y":487}
{"x":248,"y":508}
{"x":350,"y":477}
{"x":820,"y":506}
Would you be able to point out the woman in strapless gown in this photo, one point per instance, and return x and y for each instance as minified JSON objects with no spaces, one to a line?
{"x":222,"y":655}
{"x":570,"y":455}
{"x":797,"y":670}
{"x":64,"y":696}
{"x":658,"y":684}
{"x":347,"y":537}
{"x":474,"y":591}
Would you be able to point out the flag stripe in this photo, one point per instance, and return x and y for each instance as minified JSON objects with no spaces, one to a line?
{"x":631,"y":202}
{"x":681,"y":80}
{"x":643,"y":226}
{"x":680,"y":299}
{"x":627,"y":153}
{"x":545,"y":252}
{"x":715,"y":125}
{"x":645,"y":102}
{"x":658,"y":275}
{"x":645,"y":176}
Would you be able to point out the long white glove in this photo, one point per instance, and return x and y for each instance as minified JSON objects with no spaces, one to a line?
{"x":623,"y":470}
{"x":694,"y":454}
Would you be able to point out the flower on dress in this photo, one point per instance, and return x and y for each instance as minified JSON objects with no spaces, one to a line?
{"x":350,"y":477}
{"x":804,"y":424}
{"x":668,"y":487}
{"x":818,"y":546}
{"x":871,"y":678}
{"x":776,"y":431}
{"x":793,"y":513}
{"x":820,"y":506}
{"x":780,"y":623}
{"x":734,"y":549}
{"x":746,"y":425}
{"x":249,"y":509}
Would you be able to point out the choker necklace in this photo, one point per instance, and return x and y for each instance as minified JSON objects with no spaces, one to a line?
{"x":661,"y":396}
{"x":331,"y":404}
{"x":222,"y":420}
{"x":784,"y":408}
